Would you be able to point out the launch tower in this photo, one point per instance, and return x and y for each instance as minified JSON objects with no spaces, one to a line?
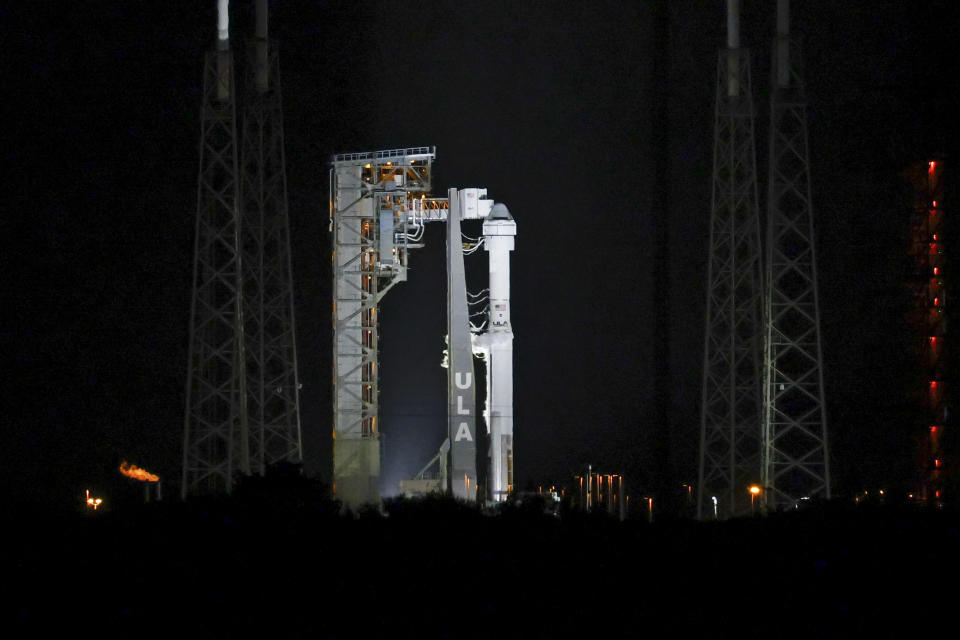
{"x":730,"y":402}
{"x":242,"y":406}
{"x":273,"y":403}
{"x":795,"y":461}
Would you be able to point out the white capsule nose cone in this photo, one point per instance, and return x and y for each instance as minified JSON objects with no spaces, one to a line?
{"x":500,"y":211}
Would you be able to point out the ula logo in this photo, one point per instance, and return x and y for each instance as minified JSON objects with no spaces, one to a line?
{"x":463,"y":382}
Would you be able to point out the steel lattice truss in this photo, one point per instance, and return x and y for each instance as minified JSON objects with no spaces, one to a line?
{"x":795,"y":456}
{"x":215,"y":424}
{"x":273,"y":407}
{"x":730,"y":409}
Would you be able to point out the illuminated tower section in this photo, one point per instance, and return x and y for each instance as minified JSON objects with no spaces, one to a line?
{"x":372,"y":196}
{"x":216,"y":443}
{"x":795,"y":458}
{"x":273,"y":398}
{"x":928,"y":318}
{"x":730,"y":404}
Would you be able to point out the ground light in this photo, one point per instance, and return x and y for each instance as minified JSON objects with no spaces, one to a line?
{"x":754,"y":492}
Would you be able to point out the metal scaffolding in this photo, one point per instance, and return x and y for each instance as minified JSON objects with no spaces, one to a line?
{"x":795,"y":457}
{"x":273,"y":399}
{"x":216,"y":443}
{"x":242,"y":395}
{"x":730,"y":402}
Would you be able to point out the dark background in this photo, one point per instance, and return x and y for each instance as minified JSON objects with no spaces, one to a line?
{"x":548,"y":105}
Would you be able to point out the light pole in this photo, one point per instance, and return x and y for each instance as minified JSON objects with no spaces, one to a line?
{"x":754,"y":492}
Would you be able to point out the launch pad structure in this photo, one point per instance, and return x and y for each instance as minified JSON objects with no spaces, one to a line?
{"x":379,"y":207}
{"x":242,"y":388}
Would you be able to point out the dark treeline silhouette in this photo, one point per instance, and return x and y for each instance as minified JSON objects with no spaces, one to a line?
{"x":281,"y":559}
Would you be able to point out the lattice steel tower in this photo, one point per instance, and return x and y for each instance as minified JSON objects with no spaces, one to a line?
{"x":273,"y":407}
{"x":242,"y":406}
{"x":730,"y":404}
{"x":215,"y":441}
{"x":795,"y":455}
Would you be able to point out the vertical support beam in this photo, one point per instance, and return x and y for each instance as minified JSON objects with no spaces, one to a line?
{"x":795,"y":459}
{"x":730,"y":401}
{"x":733,"y":48}
{"x":782,"y":44}
{"x":261,"y":62}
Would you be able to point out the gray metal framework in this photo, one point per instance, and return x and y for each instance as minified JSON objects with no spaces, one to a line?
{"x":273,"y":399}
{"x":795,"y":461}
{"x":216,"y":443}
{"x":730,"y":402}
{"x":372,"y":197}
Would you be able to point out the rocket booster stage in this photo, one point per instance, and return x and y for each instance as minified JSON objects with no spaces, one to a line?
{"x":499,"y":230}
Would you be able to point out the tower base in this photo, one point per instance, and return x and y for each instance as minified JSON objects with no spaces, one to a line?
{"x":356,"y":471}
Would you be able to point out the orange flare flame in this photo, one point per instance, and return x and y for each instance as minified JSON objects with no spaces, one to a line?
{"x":135,"y":472}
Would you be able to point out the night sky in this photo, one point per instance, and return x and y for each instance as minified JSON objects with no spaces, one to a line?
{"x":549,"y":105}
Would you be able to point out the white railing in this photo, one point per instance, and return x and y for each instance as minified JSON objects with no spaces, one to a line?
{"x":386,"y":154}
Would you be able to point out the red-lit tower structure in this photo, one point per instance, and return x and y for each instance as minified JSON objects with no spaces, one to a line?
{"x":928,"y":318}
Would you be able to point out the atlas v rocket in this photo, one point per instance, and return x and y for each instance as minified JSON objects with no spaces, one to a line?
{"x":494,"y":345}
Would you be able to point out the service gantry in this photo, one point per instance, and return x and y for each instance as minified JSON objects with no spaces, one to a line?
{"x":379,"y":206}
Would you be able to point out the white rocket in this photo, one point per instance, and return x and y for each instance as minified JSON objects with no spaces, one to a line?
{"x":499,"y":229}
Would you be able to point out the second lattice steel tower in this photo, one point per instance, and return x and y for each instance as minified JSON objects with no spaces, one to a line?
{"x":730,"y":404}
{"x":795,"y":456}
{"x":273,"y":407}
{"x":242,"y":408}
{"x":215,"y":438}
